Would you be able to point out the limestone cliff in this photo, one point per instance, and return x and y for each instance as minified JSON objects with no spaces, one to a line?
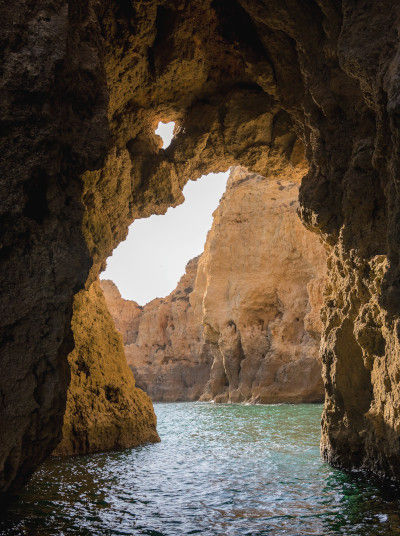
{"x":83,"y":85}
{"x":261,"y":276}
{"x":257,"y":291}
{"x":163,"y":341}
{"x":105,"y":410}
{"x":126,"y":313}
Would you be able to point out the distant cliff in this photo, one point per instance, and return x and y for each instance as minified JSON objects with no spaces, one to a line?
{"x":243,"y":323}
{"x":260,"y":278}
{"x":163,"y":340}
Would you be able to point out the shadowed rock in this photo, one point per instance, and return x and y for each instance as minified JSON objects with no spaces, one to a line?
{"x":105,"y":410}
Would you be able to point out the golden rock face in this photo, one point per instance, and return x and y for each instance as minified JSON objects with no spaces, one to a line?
{"x":105,"y":410}
{"x":262,"y":275}
{"x":83,"y":87}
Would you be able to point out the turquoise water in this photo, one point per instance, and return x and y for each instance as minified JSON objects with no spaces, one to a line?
{"x":220,"y":470}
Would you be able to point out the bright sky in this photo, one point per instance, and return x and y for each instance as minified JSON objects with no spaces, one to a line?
{"x":150,"y":262}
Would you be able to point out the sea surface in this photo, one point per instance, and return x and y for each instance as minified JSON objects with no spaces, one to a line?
{"x":220,"y":470}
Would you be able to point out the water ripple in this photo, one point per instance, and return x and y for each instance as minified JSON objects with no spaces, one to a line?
{"x":220,"y":470}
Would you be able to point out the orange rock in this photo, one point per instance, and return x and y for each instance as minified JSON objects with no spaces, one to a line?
{"x":261,"y":276}
{"x":163,"y":344}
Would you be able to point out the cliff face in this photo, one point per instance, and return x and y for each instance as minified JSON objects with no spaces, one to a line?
{"x":126,"y":313}
{"x":83,"y":86}
{"x":105,"y":410}
{"x":163,"y":341}
{"x":243,"y":323}
{"x":257,"y":272}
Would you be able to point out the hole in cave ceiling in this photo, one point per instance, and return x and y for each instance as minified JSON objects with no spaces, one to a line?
{"x":166,"y":132}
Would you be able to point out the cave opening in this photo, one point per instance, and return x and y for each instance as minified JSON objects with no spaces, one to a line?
{"x":150,"y":261}
{"x":241,"y":322}
{"x":264,"y":270}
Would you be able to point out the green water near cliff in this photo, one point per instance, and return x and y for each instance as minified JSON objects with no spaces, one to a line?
{"x":220,"y":470}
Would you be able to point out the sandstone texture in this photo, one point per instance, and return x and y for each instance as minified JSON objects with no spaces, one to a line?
{"x":83,"y":85}
{"x":243,"y":323}
{"x":164,"y":344}
{"x":105,"y":410}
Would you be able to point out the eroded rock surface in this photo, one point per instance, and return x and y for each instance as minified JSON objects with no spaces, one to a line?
{"x":83,"y":85}
{"x":105,"y":410}
{"x":163,"y":340}
{"x":243,"y":323}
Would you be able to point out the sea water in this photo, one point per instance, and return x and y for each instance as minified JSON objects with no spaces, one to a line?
{"x":220,"y":470}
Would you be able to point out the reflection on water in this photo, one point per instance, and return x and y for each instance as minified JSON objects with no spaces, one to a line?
{"x":220,"y":470}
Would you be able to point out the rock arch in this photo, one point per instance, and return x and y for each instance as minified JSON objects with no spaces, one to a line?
{"x":249,"y":82}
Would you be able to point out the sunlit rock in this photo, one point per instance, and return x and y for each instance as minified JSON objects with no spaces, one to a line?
{"x":262,"y":276}
{"x":243,"y":323}
{"x":164,"y":340}
{"x":105,"y":410}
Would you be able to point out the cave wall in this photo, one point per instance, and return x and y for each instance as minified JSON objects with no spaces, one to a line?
{"x":83,"y":85}
{"x":46,"y":144}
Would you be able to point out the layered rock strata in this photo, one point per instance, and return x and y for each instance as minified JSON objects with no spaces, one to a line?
{"x":83,"y":86}
{"x":163,"y":340}
{"x":105,"y":410}
{"x":243,"y":323}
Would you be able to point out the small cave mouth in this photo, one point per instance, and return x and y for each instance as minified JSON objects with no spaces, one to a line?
{"x":166,"y":132}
